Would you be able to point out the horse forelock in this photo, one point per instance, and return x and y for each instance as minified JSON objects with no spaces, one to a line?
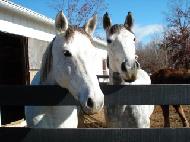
{"x":46,"y":62}
{"x":117,"y":28}
{"x":71,"y":30}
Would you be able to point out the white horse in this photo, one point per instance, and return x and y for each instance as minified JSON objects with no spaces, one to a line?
{"x":67,"y":62}
{"x":124,"y":69}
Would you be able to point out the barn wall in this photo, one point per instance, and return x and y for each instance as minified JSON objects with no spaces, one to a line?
{"x":99,"y":56}
{"x":14,"y":20}
{"x":32,"y":74}
{"x":36,"y":49}
{"x":25,"y":21}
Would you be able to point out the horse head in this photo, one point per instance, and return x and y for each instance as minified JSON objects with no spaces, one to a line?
{"x":69,"y":59}
{"x":121,"y":48}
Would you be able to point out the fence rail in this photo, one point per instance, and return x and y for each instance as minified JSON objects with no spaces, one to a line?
{"x":54,"y":95}
{"x":114,"y":94}
{"x":94,"y":135}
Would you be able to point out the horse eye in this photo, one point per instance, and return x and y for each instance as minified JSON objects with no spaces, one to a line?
{"x":109,"y":41}
{"x":134,"y":39}
{"x":67,"y":53}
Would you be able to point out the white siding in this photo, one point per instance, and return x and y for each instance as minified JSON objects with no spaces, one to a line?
{"x":21,"y":21}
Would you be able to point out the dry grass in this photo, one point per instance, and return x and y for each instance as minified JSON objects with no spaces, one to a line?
{"x":92,"y":121}
{"x":19,"y":123}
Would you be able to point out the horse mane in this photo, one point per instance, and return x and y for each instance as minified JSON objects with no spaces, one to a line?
{"x":117,"y":27}
{"x":46,"y":63}
{"x":71,"y":29}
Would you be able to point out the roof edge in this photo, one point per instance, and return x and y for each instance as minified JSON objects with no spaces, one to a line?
{"x":25,"y":11}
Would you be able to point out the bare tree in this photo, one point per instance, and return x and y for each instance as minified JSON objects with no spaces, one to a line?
{"x":151,"y":56}
{"x":79,"y":11}
{"x":177,"y":35}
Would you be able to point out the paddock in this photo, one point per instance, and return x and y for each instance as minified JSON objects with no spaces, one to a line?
{"x":27,"y":29}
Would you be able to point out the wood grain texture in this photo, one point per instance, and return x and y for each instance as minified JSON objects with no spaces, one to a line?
{"x":94,"y":135}
{"x":114,"y":94}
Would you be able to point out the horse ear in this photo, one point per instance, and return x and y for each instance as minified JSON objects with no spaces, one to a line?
{"x":90,"y":26}
{"x":106,"y":21}
{"x":61,"y":22}
{"x":129,"y":21}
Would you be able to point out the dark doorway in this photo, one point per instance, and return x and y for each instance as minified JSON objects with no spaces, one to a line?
{"x":14,"y":70}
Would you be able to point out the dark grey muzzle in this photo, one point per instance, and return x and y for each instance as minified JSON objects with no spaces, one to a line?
{"x":130,"y":70}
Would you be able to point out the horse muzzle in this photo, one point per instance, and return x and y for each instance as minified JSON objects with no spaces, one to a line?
{"x":93,"y":105}
{"x":130,"y":71}
{"x":91,"y":108}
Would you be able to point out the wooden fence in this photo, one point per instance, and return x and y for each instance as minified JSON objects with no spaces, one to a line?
{"x":114,"y":94}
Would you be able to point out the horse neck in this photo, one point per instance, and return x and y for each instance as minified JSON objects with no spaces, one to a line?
{"x":49,"y":80}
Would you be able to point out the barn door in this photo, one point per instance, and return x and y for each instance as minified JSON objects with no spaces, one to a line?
{"x":14,"y":70}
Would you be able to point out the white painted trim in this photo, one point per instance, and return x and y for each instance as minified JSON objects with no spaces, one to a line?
{"x":98,"y":43}
{"x":15,"y":8}
{"x":10,"y":27}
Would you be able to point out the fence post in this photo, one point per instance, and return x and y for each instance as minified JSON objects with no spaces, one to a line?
{"x":0,"y":116}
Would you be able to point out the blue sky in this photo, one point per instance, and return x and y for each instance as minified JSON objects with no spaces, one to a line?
{"x":148,"y":14}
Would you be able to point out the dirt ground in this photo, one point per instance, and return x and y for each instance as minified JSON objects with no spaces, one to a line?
{"x":175,"y":121}
{"x":98,"y":120}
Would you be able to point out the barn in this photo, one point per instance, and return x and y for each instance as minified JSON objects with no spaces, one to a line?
{"x":24,"y":36}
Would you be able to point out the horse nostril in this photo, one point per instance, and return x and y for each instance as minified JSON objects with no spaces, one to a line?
{"x":123,"y":67}
{"x":109,"y":41}
{"x":90,"y":103}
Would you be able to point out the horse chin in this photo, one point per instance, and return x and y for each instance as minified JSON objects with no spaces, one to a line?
{"x":129,"y":77}
{"x":90,"y":112}
{"x":93,"y":101}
